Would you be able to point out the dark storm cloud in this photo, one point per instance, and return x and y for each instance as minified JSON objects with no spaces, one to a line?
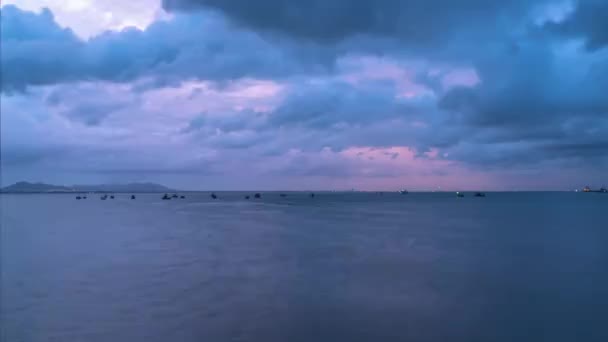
{"x":36,"y":51}
{"x":319,"y":106}
{"x":548,"y":103}
{"x":237,"y":130}
{"x":587,"y":22}
{"x":419,"y":21}
{"x":226,"y":122}
{"x":88,"y":104}
{"x":91,"y":114}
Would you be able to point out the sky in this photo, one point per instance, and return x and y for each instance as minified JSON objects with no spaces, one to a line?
{"x":306,"y":95}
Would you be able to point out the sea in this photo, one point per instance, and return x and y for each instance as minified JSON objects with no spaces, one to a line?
{"x":351,"y":266}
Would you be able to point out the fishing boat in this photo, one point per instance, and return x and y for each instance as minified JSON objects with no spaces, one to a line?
{"x":166,"y":197}
{"x":600,"y":190}
{"x":480,"y":194}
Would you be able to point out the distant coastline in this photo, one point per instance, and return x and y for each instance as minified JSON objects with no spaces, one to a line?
{"x":148,"y":187}
{"x":43,"y":188}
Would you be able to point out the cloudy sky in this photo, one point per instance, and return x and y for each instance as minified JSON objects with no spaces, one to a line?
{"x":316,"y":94}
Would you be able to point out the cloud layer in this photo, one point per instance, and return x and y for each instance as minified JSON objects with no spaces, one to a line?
{"x":36,"y":51}
{"x":314,"y":94}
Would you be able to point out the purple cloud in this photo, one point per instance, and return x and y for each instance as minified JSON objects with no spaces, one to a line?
{"x":218,"y":93}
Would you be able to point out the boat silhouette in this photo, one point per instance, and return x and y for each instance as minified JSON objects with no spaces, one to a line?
{"x":600,"y":190}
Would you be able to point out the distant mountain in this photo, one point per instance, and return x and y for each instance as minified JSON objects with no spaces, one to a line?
{"x":26,"y":187}
{"x":35,"y":187}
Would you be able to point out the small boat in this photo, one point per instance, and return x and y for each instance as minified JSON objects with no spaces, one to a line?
{"x":247,"y":197}
{"x":480,"y":194}
{"x":174,"y":196}
{"x":112,"y":197}
{"x":182,"y":196}
{"x":166,"y":197}
{"x":132,"y":197}
{"x":459,"y":194}
{"x":403,"y":192}
{"x":283,"y":195}
{"x":78,"y":197}
{"x":312,"y":195}
{"x":104,"y":197}
{"x":84,"y":197}
{"x":214,"y":196}
{"x":600,"y":190}
{"x":257,"y":195}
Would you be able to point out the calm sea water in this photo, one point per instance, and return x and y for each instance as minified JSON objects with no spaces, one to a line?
{"x":337,"y":267}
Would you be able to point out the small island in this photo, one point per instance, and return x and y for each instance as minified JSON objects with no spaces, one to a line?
{"x":43,"y":188}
